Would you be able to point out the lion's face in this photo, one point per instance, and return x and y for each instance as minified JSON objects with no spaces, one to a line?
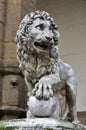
{"x":42,"y":34}
{"x":37,"y":31}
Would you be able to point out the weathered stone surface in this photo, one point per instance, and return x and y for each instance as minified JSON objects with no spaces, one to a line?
{"x":12,"y":93}
{"x":9,"y":56}
{"x":39,"y":124}
{"x":42,"y":108}
{"x":44,"y":72}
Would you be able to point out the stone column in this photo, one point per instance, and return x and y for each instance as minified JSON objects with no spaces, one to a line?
{"x":13,"y":88}
{"x":2,"y":26}
{"x":2,"y":29}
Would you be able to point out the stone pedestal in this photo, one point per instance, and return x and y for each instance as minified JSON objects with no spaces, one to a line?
{"x":39,"y":124}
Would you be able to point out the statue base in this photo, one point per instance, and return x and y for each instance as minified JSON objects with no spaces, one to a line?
{"x":39,"y":124}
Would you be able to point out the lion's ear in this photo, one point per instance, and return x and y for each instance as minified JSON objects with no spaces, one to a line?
{"x":25,"y":19}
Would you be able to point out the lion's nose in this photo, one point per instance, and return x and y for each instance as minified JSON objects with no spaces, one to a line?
{"x":48,"y":38}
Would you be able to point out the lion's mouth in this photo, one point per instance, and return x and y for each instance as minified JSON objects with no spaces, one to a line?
{"x":41,"y":46}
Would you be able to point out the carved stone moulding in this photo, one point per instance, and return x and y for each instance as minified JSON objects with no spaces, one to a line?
{"x":12,"y":93}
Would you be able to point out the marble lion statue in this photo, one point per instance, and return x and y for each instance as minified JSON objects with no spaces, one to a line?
{"x":37,"y":52}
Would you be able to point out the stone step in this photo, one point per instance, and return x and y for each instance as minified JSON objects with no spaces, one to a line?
{"x":39,"y":124}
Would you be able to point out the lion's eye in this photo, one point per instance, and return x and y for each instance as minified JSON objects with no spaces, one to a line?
{"x":40,"y":26}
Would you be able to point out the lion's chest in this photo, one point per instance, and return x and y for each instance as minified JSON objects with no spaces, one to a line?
{"x":39,"y":65}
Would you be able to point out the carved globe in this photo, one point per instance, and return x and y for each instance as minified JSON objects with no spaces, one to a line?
{"x":42,"y":108}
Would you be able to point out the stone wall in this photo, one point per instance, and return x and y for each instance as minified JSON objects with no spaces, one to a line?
{"x":12,"y":85}
{"x":70,"y":16}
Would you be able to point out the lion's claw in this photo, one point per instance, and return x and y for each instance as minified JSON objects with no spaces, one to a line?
{"x":42,"y":90}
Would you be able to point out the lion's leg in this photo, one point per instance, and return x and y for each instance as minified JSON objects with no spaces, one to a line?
{"x":71,"y":98}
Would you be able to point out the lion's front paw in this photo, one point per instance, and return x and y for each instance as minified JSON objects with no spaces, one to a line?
{"x":43,"y":90}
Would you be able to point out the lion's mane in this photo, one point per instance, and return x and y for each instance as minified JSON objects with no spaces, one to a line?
{"x":23,"y":38}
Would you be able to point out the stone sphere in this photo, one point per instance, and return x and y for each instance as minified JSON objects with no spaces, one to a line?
{"x":42,"y":108}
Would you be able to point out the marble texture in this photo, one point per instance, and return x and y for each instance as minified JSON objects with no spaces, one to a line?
{"x":44,"y":72}
{"x":42,"y":108}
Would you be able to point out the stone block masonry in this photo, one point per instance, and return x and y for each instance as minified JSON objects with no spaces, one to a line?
{"x":12,"y":90}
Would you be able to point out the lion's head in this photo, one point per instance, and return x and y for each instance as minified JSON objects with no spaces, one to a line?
{"x":37,"y":29}
{"x":37,"y":33}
